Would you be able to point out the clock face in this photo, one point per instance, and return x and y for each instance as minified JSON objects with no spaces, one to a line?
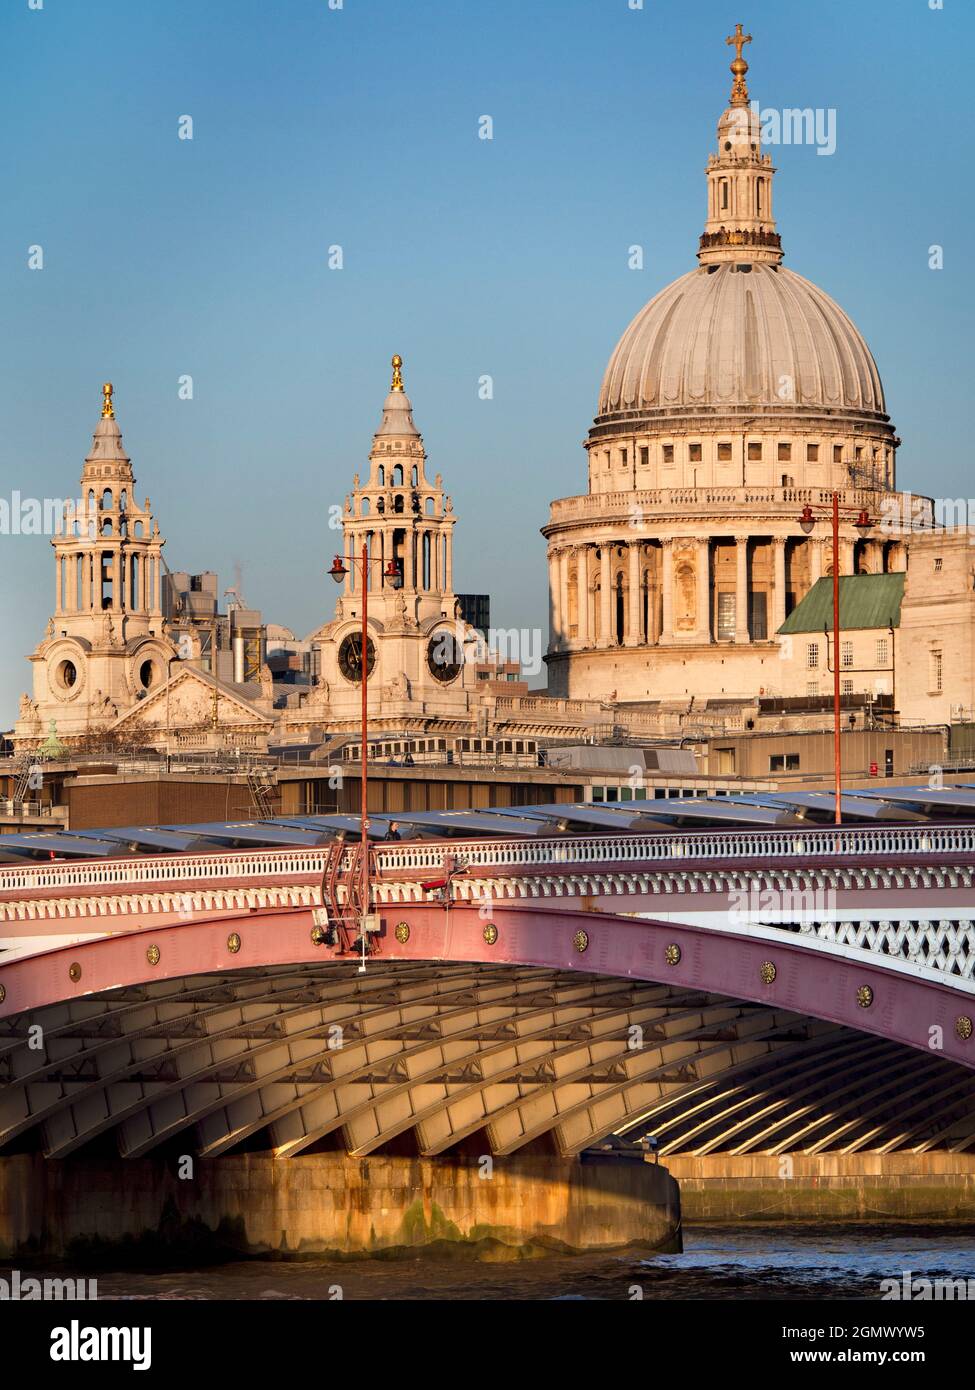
{"x":350,"y":656}
{"x":445,"y":657}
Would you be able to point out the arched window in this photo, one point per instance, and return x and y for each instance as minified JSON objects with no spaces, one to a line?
{"x":381,"y":475}
{"x":398,"y":502}
{"x":429,"y":506}
{"x":414,"y":476}
{"x":138,"y":528}
{"x":365,"y":506}
{"x":107,"y":526}
{"x":724,"y":194}
{"x":759,"y":196}
{"x":107,"y":580}
{"x":107,"y":500}
{"x":398,"y":475}
{"x":134,"y":583}
{"x":123,"y":501}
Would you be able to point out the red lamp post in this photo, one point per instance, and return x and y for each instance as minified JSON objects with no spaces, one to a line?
{"x":863,"y":524}
{"x":361,"y":563}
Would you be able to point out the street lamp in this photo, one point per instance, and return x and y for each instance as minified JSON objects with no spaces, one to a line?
{"x":863,"y":524}
{"x":394,"y":578}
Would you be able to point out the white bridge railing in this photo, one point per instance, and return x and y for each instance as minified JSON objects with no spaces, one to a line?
{"x":535,"y":855}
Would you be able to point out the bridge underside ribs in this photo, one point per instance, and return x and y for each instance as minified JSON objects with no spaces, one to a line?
{"x":428,"y":1057}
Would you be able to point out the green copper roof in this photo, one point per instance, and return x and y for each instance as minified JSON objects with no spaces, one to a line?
{"x":866,"y":600}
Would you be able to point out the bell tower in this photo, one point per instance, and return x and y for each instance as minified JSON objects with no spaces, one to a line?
{"x":403,"y":518}
{"x":106,"y":646}
{"x":419,"y":652}
{"x":108,"y":556}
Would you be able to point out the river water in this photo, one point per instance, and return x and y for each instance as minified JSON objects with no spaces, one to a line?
{"x":719,"y":1262}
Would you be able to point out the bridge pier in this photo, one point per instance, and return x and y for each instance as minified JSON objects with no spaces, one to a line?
{"x":726,"y":1188}
{"x":253,"y":1204}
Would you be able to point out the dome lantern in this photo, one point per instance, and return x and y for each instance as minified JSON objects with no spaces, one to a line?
{"x":739,"y":225}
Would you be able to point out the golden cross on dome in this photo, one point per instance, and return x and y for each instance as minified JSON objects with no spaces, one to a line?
{"x":397,"y":373}
{"x":108,"y":410}
{"x":739,"y":89}
{"x":739,"y":40}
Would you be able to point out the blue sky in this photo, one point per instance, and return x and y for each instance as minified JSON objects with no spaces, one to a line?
{"x":358,"y":127}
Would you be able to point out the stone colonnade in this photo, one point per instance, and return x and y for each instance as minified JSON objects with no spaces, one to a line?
{"x":617,"y":592}
{"x":424,"y":554}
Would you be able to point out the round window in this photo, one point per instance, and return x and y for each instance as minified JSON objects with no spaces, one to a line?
{"x":67,"y":674}
{"x":147,"y":674}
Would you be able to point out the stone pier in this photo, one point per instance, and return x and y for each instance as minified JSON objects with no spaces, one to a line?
{"x":253,"y":1204}
{"x":719,"y":1188}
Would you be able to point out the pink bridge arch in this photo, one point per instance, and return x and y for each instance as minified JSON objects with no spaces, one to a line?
{"x":816,"y":979}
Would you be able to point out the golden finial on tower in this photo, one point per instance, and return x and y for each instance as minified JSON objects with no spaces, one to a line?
{"x":397,"y":373}
{"x":739,"y":88}
{"x":108,"y":410}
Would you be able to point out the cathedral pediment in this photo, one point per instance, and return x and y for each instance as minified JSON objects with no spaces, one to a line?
{"x":192,"y":699}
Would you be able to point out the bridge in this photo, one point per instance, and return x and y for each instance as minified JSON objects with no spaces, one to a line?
{"x":767,"y":984}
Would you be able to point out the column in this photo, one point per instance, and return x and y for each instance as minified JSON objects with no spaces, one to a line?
{"x":449,"y":576}
{"x":582,"y":594}
{"x":815,"y":561}
{"x":58,"y":572}
{"x":605,"y":597}
{"x":554,"y":617}
{"x":778,"y":590}
{"x":741,"y":589}
{"x":704,"y":589}
{"x":564,"y":595}
{"x":846,"y":555}
{"x":667,"y":583}
{"x":72,"y":563}
{"x":633,"y":633}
